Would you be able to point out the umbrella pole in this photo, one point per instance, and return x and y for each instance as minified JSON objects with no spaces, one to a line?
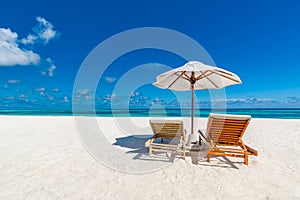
{"x":192,"y":122}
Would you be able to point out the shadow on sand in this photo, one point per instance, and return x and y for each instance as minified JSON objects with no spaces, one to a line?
{"x":135,"y":144}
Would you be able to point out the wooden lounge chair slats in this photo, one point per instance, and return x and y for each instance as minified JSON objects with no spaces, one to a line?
{"x":171,"y":130}
{"x":224,"y":133}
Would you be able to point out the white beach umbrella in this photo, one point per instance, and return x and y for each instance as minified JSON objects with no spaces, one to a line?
{"x":195,"y":75}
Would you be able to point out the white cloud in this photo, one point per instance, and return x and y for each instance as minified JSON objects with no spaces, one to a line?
{"x":157,"y":101}
{"x":23,"y":96}
{"x":47,"y":67}
{"x":65,"y":99}
{"x":10,"y":98}
{"x":29,"y":40}
{"x":247,"y":102}
{"x":43,"y":73}
{"x":47,"y":32}
{"x":109,"y":80}
{"x":88,"y":98}
{"x":51,"y":69}
{"x":292,"y":101}
{"x":110,"y":97}
{"x":55,"y":90}
{"x":84,"y":91}
{"x":250,"y":101}
{"x":136,"y":94}
{"x":10,"y":52}
{"x":77,"y":98}
{"x":13,"y":81}
{"x":51,"y":98}
{"x":40,"y":89}
{"x":42,"y":32}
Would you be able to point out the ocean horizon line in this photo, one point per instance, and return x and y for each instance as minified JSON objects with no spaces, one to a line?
{"x":281,"y":113}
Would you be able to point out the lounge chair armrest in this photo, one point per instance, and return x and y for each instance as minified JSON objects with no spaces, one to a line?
{"x":251,"y":151}
{"x":147,"y":143}
{"x":202,"y":135}
{"x":150,"y":141}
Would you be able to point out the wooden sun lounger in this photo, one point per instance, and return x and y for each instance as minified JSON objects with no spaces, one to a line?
{"x":224,"y":133}
{"x":172,"y":130}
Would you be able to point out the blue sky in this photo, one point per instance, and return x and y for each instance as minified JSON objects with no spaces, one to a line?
{"x":42,"y":46}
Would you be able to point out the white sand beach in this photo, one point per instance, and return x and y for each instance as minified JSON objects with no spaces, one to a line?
{"x":44,"y":158}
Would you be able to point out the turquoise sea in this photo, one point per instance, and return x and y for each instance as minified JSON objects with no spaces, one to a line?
{"x":255,"y":113}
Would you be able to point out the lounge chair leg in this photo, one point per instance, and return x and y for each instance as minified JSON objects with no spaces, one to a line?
{"x":150,"y":151}
{"x":208,"y":157}
{"x":246,"y":159}
{"x":199,"y":140}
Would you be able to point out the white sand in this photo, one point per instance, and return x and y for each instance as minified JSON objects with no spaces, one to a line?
{"x":43,"y":158}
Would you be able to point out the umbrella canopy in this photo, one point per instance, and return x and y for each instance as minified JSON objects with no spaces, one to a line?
{"x":196,"y":75}
{"x":202,"y":76}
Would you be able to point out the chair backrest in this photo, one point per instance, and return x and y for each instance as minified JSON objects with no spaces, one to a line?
{"x":227,"y":129}
{"x":170,"y":129}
